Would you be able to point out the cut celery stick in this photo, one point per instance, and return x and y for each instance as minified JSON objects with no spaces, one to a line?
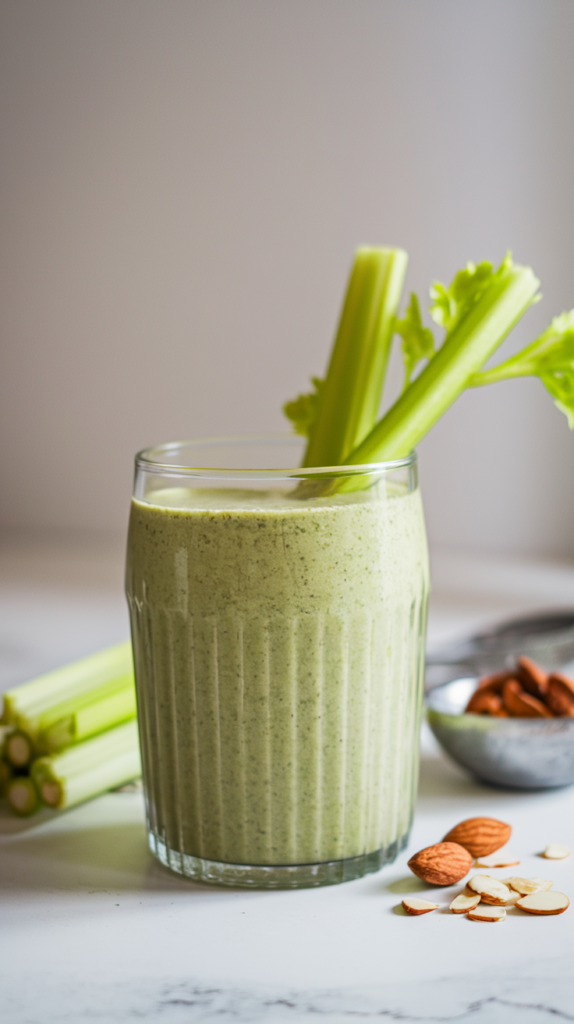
{"x":82,"y":772}
{"x":29,"y":706}
{"x":22,"y":796}
{"x":89,"y":719}
{"x":351,"y":393}
{"x":464,"y":352}
{"x":18,"y":748}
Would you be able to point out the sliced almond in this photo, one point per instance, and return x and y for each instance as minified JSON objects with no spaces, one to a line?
{"x":463,"y":903}
{"x":491,"y":890}
{"x":498,"y":860}
{"x":414,"y":906}
{"x":544,"y":903}
{"x":486,"y":913}
{"x":513,"y":898}
{"x":556,"y":851}
{"x":525,"y":886}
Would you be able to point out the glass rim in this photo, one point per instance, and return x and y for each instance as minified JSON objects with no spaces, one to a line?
{"x":149,"y":460}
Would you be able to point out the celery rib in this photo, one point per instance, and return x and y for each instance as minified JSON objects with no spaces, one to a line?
{"x":88,"y":719}
{"x":463,"y":353}
{"x":36,"y":705}
{"x":92,"y":767}
{"x":351,"y":393}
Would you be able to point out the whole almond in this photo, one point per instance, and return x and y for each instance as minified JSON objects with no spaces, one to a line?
{"x":521,"y":704}
{"x":480,"y":836}
{"x":560,"y":695}
{"x":441,"y":864}
{"x":494,"y":682}
{"x":533,"y":678}
{"x":484,"y":702}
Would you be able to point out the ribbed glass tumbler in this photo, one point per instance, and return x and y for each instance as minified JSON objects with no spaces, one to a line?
{"x":278,"y":621}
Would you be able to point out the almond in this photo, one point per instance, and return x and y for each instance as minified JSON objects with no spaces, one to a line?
{"x":556,"y":851}
{"x":463,"y":903}
{"x":560,"y":695}
{"x":498,"y":860}
{"x":491,"y":890}
{"x":521,"y":704}
{"x":526,"y":886}
{"x":483,"y":913}
{"x":442,"y":864}
{"x":480,"y":836}
{"x":484,"y":702}
{"x":415,"y":906}
{"x":532,"y":677}
{"x":544,"y":903}
{"x":495,"y":682}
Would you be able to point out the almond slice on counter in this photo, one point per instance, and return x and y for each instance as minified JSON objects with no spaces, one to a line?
{"x":463,"y":903}
{"x":414,"y":906}
{"x":498,"y":860}
{"x":491,"y":890}
{"x":556,"y":851}
{"x":544,"y":903}
{"x":486,"y":913}
{"x":526,"y":886}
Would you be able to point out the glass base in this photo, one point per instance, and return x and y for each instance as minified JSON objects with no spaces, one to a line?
{"x":276,"y":876}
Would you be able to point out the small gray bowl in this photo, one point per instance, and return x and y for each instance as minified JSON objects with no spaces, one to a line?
{"x":522,"y":753}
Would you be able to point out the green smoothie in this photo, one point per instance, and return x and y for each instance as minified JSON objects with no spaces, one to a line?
{"x":278,"y":657}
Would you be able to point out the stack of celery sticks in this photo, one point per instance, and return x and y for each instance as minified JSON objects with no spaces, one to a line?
{"x":70,"y":734}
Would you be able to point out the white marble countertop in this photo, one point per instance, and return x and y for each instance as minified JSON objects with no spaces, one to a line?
{"x":93,"y":929}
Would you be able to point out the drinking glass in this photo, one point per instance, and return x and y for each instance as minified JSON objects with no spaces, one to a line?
{"x":278,"y":624}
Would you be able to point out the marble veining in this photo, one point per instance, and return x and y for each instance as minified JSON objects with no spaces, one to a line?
{"x":451,"y":998}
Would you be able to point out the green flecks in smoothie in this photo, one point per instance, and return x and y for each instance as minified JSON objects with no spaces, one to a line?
{"x":278,"y":663}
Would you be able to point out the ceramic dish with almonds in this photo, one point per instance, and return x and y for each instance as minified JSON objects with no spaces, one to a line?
{"x":513,"y":728}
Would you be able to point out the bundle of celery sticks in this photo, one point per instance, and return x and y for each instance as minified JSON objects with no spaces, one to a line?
{"x":70,"y":734}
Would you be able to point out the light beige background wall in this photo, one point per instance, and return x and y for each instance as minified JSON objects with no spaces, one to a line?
{"x":183,"y":184}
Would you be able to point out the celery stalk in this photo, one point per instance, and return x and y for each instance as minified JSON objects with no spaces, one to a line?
{"x":22,"y":796}
{"x":467,"y":347}
{"x":81,"y":772}
{"x":18,"y":749}
{"x":32,"y":706}
{"x":347,"y":404}
{"x":89,"y":719}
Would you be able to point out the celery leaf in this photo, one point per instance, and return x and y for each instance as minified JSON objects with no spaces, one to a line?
{"x":451,"y":304}
{"x":304,"y":410}
{"x":418,"y":340}
{"x":550,"y":357}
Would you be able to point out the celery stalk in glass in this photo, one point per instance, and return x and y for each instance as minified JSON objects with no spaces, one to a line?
{"x":346,"y":405}
{"x":472,"y":337}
